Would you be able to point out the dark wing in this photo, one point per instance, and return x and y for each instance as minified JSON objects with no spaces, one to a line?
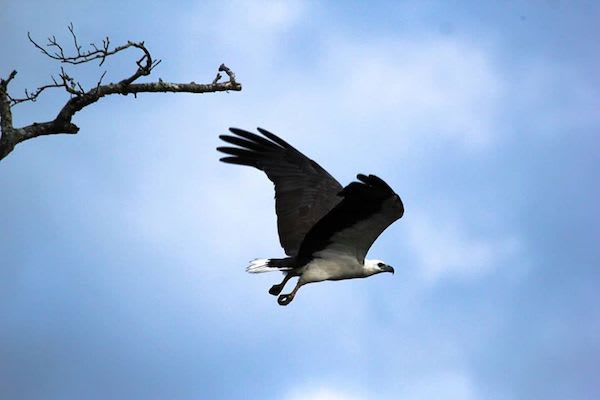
{"x":367,"y":209}
{"x":304,"y":191}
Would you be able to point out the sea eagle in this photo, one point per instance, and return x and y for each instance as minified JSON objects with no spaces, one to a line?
{"x":324,"y":228}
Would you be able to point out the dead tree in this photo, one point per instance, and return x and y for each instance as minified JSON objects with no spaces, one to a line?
{"x":80,"y":97}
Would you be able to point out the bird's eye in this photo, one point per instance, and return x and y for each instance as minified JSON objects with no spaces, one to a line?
{"x":380,"y":264}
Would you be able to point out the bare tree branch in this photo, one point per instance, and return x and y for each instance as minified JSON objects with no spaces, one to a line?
{"x":80,"y":97}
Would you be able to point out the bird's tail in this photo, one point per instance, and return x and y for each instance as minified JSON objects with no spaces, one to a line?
{"x":269,"y":264}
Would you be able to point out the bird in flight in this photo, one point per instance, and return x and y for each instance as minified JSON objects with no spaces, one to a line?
{"x":325,"y":229}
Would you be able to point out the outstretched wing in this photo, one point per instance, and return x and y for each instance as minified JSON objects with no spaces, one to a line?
{"x":304,"y":192}
{"x":367,"y":209}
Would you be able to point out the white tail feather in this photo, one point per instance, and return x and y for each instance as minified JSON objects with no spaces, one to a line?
{"x":259,"y":265}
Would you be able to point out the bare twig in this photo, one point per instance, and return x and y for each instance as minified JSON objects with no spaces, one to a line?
{"x":94,"y":53}
{"x":229,"y":72}
{"x":80,"y":97}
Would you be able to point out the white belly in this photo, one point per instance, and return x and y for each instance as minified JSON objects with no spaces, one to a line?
{"x":331,"y":267}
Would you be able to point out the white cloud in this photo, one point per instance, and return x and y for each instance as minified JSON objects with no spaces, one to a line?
{"x":404,"y":91}
{"x":252,"y":31}
{"x":321,"y":393}
{"x":444,"y":248}
{"x":443,"y":86}
{"x":269,"y":16}
{"x":447,"y":385}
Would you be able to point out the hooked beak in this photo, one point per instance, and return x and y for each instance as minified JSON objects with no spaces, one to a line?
{"x":388,"y":268}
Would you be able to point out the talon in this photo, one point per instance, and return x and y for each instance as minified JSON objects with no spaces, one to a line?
{"x":276,"y":289}
{"x":284,"y":299}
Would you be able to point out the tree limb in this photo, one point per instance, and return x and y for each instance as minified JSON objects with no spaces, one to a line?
{"x":80,"y":98}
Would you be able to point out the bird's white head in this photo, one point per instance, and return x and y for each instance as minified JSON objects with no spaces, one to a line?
{"x":372,"y":267}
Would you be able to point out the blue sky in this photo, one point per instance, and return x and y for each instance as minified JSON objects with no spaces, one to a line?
{"x":123,"y":247}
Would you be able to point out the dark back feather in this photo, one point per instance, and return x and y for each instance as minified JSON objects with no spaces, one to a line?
{"x":304,"y":191}
{"x":367,"y":209}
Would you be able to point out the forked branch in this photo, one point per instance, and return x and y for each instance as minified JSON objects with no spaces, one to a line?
{"x":81,"y":97}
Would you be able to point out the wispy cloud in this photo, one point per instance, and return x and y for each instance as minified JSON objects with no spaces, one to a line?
{"x":434,"y":86}
{"x":444,"y":248}
{"x":249,"y":31}
{"x":406,"y":91}
{"x":130,"y":239}
{"x":321,"y":393}
{"x":450,"y":385}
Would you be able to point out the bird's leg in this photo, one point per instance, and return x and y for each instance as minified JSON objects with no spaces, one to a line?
{"x":286,"y":299}
{"x":276,"y":289}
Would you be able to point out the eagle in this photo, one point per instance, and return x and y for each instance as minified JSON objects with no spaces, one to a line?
{"x":325,"y":229}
